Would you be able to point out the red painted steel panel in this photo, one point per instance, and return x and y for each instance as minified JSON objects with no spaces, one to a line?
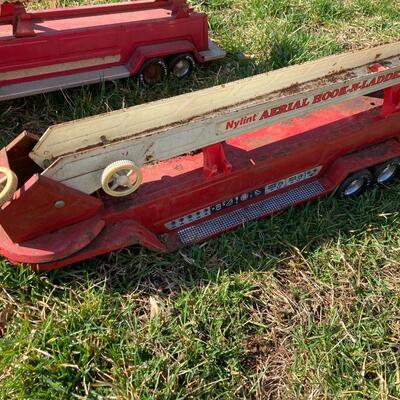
{"x":113,"y":237}
{"x":55,"y":246}
{"x":34,"y":209}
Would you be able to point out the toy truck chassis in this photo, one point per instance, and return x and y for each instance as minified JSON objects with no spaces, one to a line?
{"x":315,"y":133}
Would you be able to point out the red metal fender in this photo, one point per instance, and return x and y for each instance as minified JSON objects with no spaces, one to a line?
{"x":112,"y":237}
{"x":361,"y":159}
{"x":141,"y":54}
{"x":53,"y":246}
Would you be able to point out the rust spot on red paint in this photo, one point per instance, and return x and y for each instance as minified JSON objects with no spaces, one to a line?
{"x":149,"y":158}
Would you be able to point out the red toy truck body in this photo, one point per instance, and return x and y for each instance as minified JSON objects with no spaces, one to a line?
{"x":49,"y":225}
{"x":324,"y":135}
{"x":47,"y":50}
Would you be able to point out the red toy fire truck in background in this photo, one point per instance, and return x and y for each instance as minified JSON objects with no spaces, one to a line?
{"x":42,"y":51}
{"x":188,"y":168}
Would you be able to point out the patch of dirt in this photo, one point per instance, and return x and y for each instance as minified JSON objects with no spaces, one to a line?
{"x":269,"y":361}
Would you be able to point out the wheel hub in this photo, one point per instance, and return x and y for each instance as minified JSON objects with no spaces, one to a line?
{"x":354,"y":187}
{"x":387,"y":174}
{"x":122,"y":180}
{"x":181,"y":68}
{"x":153,"y":73}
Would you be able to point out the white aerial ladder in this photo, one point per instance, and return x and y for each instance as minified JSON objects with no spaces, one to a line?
{"x":78,"y":153}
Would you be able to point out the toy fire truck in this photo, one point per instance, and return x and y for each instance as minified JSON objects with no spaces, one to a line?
{"x":183,"y":170}
{"x":41,"y":51}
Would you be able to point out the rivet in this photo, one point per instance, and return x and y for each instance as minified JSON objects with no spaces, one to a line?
{"x":59,"y":204}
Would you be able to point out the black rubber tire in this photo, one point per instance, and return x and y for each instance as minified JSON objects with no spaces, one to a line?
{"x":188,"y":59}
{"x":364,"y":176}
{"x":377,"y":171}
{"x":153,"y":71}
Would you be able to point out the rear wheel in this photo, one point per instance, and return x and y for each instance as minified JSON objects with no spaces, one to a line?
{"x":153,"y":71}
{"x":355,"y":184}
{"x":386,"y":172}
{"x":182,"y":66}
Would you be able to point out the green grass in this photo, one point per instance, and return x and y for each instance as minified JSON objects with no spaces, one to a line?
{"x":305,"y":305}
